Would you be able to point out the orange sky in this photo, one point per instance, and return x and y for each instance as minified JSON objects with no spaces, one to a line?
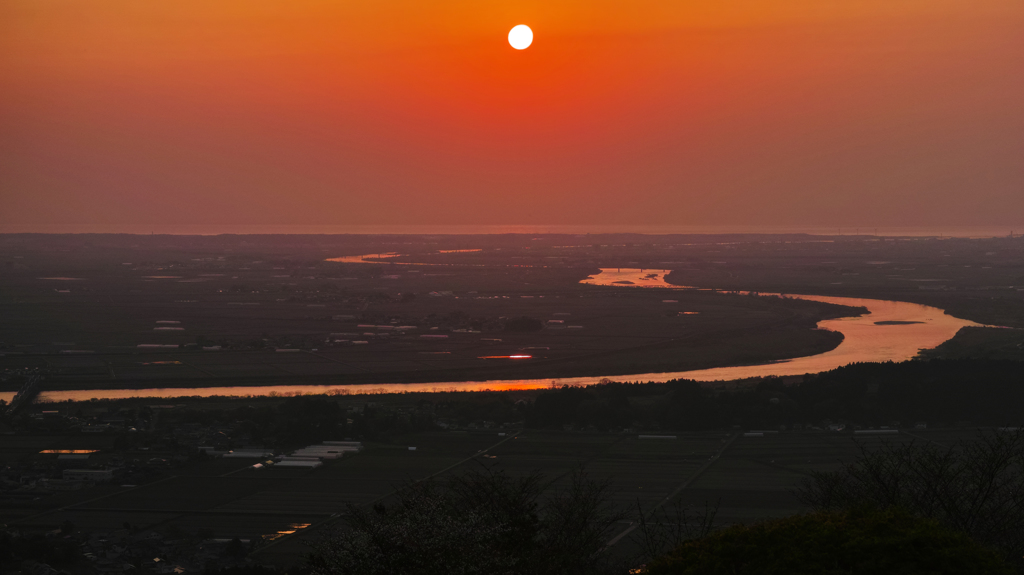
{"x":781,"y":112}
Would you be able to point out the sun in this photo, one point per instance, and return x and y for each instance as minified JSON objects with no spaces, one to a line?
{"x":520,"y":37}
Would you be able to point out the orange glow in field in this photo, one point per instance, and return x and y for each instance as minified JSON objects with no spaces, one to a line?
{"x":505,"y":357}
{"x":68,"y":451}
{"x":292,"y":528}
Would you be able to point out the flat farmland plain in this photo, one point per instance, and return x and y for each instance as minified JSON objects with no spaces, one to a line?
{"x":232,"y":499}
{"x":618,"y":333}
{"x":749,"y":478}
{"x":81,"y":314}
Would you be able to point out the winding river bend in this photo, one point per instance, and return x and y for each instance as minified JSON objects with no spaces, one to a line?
{"x":891,"y":331}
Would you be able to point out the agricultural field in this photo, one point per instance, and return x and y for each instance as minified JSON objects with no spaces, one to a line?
{"x":196,"y":311}
{"x":745,"y":474}
{"x":105,"y":312}
{"x":114,"y":312}
{"x":749,"y":477}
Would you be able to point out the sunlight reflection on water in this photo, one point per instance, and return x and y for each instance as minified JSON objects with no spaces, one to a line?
{"x":906,"y":329}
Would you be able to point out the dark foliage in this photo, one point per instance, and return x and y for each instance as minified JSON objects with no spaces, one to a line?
{"x":253,"y":570}
{"x":296,"y":421}
{"x":381,"y":423}
{"x":860,"y":542}
{"x":57,"y":551}
{"x":466,"y":408}
{"x":973,"y":487}
{"x":940,"y":392}
{"x":478,"y":523}
{"x":663,"y":529}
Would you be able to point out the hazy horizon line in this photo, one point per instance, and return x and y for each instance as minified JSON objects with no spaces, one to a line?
{"x":488,"y":229}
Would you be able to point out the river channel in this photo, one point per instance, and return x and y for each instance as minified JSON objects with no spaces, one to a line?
{"x":891,"y":331}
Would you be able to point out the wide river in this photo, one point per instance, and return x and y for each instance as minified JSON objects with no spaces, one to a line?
{"x":892,"y":331}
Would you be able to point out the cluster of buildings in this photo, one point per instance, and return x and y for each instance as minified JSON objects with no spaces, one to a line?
{"x":310,"y":457}
{"x":49,"y":473}
{"x":135,"y":551}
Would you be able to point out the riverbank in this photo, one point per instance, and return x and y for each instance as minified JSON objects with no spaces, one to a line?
{"x":890,"y":331}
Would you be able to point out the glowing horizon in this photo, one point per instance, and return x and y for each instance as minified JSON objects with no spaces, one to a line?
{"x":868,"y":112}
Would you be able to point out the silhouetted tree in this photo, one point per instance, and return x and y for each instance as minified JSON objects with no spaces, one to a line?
{"x":892,"y":542}
{"x":477,"y":523}
{"x":975,"y":487}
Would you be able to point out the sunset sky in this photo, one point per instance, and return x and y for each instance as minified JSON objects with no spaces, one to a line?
{"x":753,"y":112}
